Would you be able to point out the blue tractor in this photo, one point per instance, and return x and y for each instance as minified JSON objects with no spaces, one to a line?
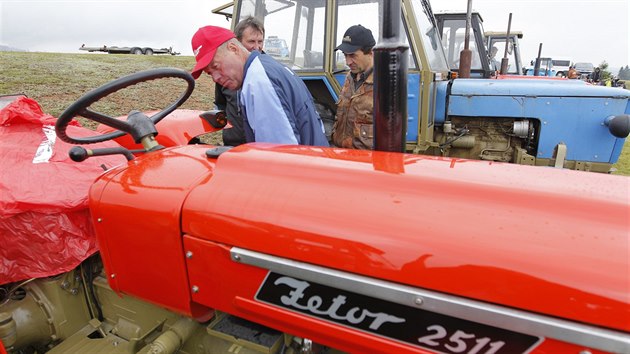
{"x":544,"y":122}
{"x":545,"y":69}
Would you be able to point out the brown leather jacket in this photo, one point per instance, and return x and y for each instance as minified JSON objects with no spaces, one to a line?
{"x":353,"y":123}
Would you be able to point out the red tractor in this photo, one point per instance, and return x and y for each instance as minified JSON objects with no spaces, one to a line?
{"x":263,"y":248}
{"x":285,"y":249}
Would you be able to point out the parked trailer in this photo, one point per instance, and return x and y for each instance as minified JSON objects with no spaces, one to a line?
{"x":130,"y":50}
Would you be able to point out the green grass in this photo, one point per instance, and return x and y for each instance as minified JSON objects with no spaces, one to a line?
{"x":623,"y":164}
{"x":56,"y":80}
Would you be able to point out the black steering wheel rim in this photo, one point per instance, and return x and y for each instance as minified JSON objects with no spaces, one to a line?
{"x":80,"y":106}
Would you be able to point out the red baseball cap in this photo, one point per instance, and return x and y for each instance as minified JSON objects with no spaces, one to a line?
{"x":205,"y":43}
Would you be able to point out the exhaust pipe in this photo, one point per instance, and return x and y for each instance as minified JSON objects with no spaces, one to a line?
{"x":505,"y":59}
{"x":390,"y":83}
{"x":465,"y":56}
{"x":537,"y":66}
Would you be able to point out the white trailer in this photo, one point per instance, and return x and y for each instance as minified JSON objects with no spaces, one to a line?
{"x":129,"y":50}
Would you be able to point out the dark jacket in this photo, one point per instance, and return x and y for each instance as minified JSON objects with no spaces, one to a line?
{"x":227,"y":100}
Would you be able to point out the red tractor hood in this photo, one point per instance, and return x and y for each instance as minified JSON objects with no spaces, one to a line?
{"x":533,"y":238}
{"x":540,"y":240}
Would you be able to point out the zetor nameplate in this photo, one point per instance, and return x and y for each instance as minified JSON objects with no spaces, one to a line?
{"x":407,"y":324}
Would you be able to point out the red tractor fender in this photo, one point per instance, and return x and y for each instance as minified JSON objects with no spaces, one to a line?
{"x":214,"y":231}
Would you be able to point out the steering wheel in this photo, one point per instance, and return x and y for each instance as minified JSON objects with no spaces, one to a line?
{"x":81,"y":106}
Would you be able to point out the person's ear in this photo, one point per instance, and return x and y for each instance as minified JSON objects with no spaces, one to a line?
{"x":232,"y":47}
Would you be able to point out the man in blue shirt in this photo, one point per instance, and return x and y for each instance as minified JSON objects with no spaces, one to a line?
{"x":275,"y":104}
{"x":251,"y":33}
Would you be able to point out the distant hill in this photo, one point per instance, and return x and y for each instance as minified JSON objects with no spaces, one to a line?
{"x":6,"y":48}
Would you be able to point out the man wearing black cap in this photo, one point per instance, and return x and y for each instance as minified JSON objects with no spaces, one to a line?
{"x":353,"y":123}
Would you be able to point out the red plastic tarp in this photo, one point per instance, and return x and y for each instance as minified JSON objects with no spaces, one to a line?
{"x":45,"y":226}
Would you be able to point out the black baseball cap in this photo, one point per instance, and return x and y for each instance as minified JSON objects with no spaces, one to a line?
{"x":355,"y":38}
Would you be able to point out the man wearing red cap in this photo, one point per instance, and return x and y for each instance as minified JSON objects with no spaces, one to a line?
{"x":250,"y":31}
{"x":353,"y":126}
{"x":275,"y":104}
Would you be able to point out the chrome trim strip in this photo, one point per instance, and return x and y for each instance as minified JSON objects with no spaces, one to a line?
{"x":476,"y":311}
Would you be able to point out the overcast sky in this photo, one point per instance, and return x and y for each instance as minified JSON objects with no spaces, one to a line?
{"x":580,"y":30}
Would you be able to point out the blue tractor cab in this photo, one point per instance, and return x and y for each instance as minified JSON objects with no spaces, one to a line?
{"x":487,"y":47}
{"x":498,"y":39}
{"x":452,"y":28}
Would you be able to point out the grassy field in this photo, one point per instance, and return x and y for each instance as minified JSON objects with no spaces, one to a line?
{"x":56,"y":80}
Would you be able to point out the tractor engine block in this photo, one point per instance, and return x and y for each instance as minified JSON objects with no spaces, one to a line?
{"x":493,"y":139}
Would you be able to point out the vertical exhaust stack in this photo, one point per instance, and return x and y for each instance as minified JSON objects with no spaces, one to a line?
{"x":390,"y":83}
{"x":537,"y":65}
{"x":465,"y":56}
{"x":505,"y":59}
